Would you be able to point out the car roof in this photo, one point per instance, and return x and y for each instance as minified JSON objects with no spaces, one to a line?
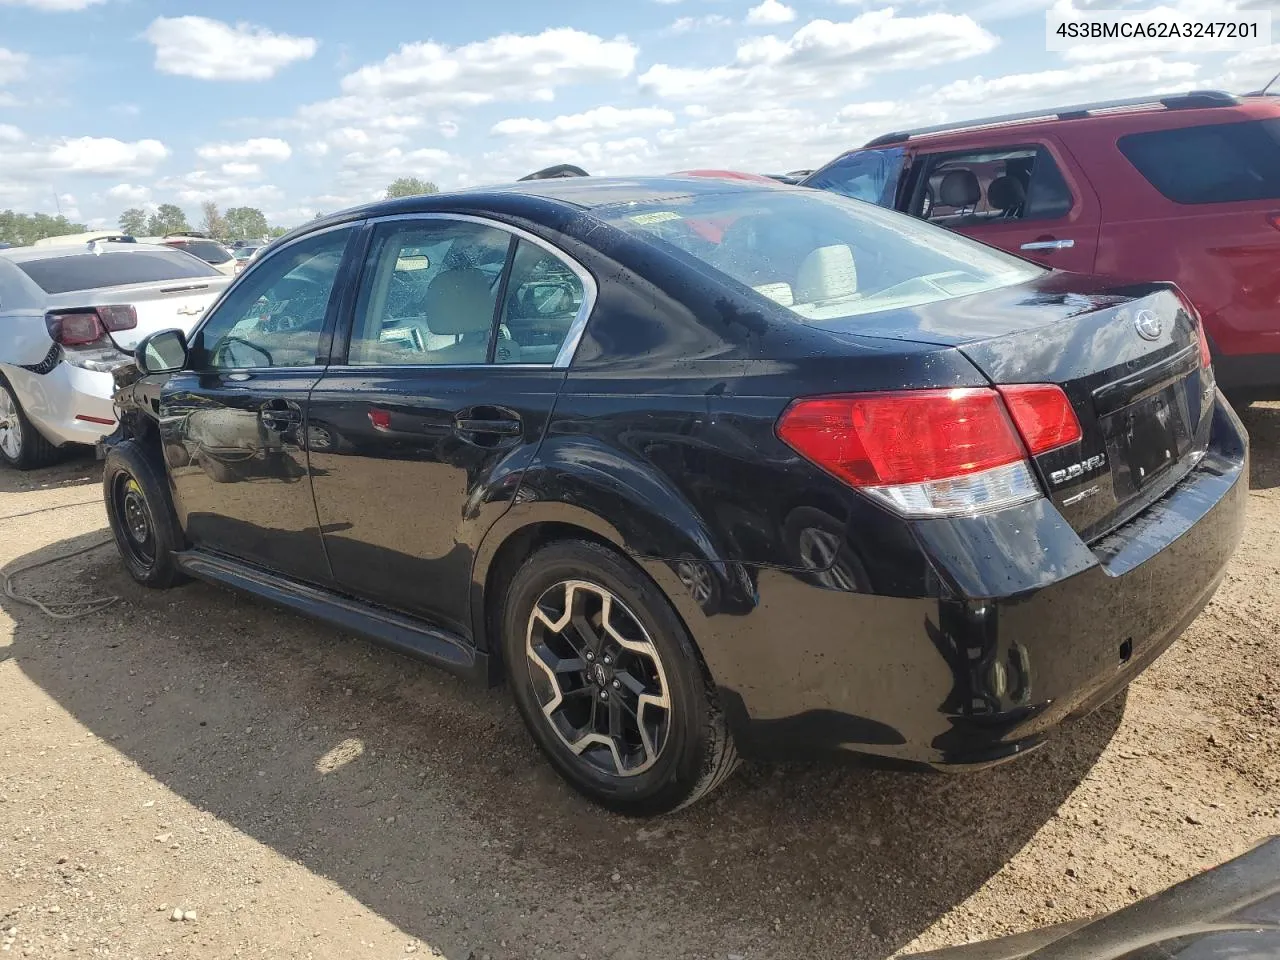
{"x":27,"y":254}
{"x":1197,"y":101}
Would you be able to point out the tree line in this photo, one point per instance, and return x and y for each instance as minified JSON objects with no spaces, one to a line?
{"x":235,"y":223}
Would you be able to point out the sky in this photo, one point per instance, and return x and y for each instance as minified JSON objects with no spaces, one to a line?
{"x":300,"y":107}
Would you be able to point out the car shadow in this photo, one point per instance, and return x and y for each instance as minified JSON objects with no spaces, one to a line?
{"x":1262,"y":420}
{"x":75,"y":467}
{"x":424,"y":798}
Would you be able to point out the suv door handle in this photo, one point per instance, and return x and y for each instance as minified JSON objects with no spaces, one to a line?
{"x":1048,"y":245}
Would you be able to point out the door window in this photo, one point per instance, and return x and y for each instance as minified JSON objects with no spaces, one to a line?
{"x":460,"y":293}
{"x":276,"y":315}
{"x":994,"y":186}
{"x":870,"y":175}
{"x":1217,"y":163}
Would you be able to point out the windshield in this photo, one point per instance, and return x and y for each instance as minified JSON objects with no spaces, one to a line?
{"x":870,"y":175}
{"x":820,"y":255}
{"x":209,"y":251}
{"x":88,"y":271}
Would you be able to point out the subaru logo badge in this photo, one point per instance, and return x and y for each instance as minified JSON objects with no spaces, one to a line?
{"x":1148,"y":324}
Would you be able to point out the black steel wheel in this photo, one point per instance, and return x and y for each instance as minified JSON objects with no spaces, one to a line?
{"x":609,"y":683}
{"x":141,"y":514}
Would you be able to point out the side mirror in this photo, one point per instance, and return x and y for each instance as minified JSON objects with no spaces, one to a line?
{"x":162,"y":352}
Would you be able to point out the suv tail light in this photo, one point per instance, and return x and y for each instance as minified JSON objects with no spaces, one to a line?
{"x":933,"y":452}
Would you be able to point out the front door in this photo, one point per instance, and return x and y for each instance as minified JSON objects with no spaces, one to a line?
{"x":1025,"y":198}
{"x":233,"y":422}
{"x":418,"y":442}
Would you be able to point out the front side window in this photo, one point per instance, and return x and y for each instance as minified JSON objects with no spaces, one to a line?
{"x":821,"y":256}
{"x":276,"y":315}
{"x":870,"y":175}
{"x":993,"y":186}
{"x":1215,"y":163}
{"x":88,"y":271}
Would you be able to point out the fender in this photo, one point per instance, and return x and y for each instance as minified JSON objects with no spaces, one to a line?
{"x":26,"y":339}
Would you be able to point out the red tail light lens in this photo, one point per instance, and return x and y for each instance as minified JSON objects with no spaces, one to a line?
{"x":118,"y":317}
{"x":1043,"y":415}
{"x":925,"y":452}
{"x":75,"y":329}
{"x":1206,"y":358}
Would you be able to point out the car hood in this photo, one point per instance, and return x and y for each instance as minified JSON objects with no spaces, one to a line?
{"x":1231,"y":912}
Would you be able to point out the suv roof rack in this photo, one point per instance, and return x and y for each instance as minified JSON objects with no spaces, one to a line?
{"x":1196,"y":99}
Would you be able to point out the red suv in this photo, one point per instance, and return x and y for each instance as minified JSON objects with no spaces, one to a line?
{"x":1183,"y":188}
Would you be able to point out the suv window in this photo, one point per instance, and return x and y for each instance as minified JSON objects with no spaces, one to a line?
{"x":275,"y":316}
{"x":87,"y":271}
{"x":1215,"y":163}
{"x":970,"y":189}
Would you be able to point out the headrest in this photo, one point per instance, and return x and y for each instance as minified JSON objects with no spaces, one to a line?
{"x":827,"y":273}
{"x":1006,"y":193}
{"x":959,"y":188}
{"x":459,"y":301}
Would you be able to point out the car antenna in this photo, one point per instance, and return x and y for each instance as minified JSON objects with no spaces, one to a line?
{"x":1263,"y":91}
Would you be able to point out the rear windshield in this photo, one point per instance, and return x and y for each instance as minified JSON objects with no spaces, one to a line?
{"x":870,"y":175}
{"x":822,"y":256}
{"x":206,"y":250}
{"x":1216,"y":163}
{"x":87,"y":271}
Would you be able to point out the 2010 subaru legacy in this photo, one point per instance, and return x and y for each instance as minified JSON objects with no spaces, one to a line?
{"x":700,"y":468}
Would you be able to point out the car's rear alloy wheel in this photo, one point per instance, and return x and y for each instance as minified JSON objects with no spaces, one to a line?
{"x":598,"y":677}
{"x":21,"y":444}
{"x":609,"y":683}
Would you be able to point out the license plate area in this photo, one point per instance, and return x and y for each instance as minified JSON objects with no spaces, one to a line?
{"x":1146,"y":439}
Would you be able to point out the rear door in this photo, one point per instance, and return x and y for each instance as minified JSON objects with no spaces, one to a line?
{"x":232,"y":423}
{"x":1025,"y":197}
{"x":460,"y":335}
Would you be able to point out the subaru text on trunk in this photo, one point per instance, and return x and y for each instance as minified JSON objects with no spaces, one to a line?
{"x":701,"y":469}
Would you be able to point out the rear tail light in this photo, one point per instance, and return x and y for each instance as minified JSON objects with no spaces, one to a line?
{"x":1043,"y":415}
{"x":123,"y":317}
{"x":77,"y":328}
{"x":924,"y":452}
{"x":1206,"y":358}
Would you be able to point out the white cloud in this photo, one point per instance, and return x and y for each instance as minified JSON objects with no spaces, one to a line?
{"x":200,"y":186}
{"x":770,"y":12}
{"x":130,"y":194}
{"x":212,"y":50}
{"x":690,"y":24}
{"x":823,"y":59}
{"x":448,"y":128}
{"x":30,"y":164}
{"x":68,"y":205}
{"x":51,"y":5}
{"x":424,"y":76}
{"x":1061,"y":87}
{"x":13,"y":65}
{"x":271,"y":149}
{"x":105,"y":155}
{"x":592,"y":121}
{"x":242,"y":171}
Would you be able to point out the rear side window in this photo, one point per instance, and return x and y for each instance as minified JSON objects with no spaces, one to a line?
{"x":1217,"y":163}
{"x":206,"y":250}
{"x":994,"y":186}
{"x":87,"y":271}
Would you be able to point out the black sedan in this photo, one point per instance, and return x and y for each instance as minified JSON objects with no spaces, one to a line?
{"x":701,"y":469}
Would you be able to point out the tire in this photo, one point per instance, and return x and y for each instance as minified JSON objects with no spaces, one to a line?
{"x":687,"y":750}
{"x":21,"y":444}
{"x":141,"y":515}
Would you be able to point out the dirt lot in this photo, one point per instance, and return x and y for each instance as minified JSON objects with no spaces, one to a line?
{"x":307,"y":795}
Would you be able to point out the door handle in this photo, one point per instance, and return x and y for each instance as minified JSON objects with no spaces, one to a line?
{"x":498,"y":427}
{"x":1048,"y":245}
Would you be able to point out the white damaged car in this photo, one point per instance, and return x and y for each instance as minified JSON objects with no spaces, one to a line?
{"x":69,"y":315}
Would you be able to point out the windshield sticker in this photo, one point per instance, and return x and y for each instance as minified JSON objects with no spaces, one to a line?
{"x":660,"y":216}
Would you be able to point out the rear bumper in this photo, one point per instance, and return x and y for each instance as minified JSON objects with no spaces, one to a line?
{"x":981,"y":672}
{"x":67,"y":403}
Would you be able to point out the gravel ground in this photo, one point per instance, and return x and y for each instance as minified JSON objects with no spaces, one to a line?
{"x":190,"y":774}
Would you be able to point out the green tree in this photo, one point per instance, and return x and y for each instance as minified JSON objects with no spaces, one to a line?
{"x":410,"y":187}
{"x":214,"y":225}
{"x":277,"y":232}
{"x":21,"y":229}
{"x":168,"y":218}
{"x":134,"y":221}
{"x":246,"y":222}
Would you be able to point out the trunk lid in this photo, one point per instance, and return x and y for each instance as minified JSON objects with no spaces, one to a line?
{"x":161,"y":305}
{"x":1143,"y":399}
